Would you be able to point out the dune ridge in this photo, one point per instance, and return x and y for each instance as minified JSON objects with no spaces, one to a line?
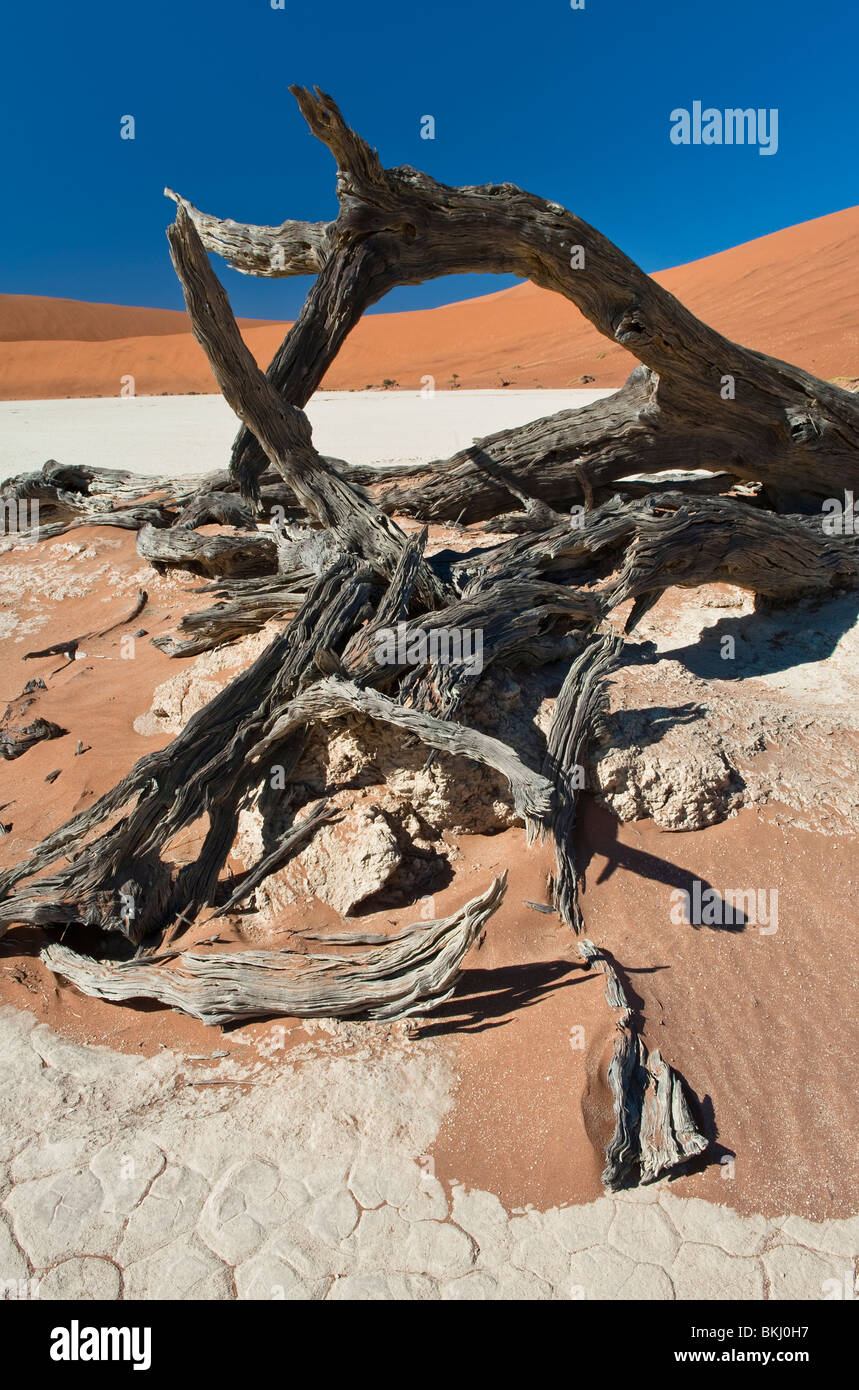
{"x":793,"y":294}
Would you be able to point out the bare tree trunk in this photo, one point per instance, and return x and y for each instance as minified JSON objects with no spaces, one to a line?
{"x":705,"y":403}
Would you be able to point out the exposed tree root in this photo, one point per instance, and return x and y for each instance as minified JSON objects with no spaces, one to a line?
{"x":413,"y":972}
{"x":654,"y":1130}
{"x":576,"y":721}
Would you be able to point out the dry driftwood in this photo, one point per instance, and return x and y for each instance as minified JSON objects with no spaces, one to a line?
{"x":248,"y":605}
{"x":211,"y":556}
{"x":414,"y":972}
{"x":394,"y":607}
{"x":654,"y":1129}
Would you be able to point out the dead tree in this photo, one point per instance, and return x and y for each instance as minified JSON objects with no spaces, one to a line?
{"x":699,"y":401}
{"x":774,"y":439}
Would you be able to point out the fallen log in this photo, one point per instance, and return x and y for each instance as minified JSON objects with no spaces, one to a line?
{"x":69,"y":497}
{"x":210,"y":556}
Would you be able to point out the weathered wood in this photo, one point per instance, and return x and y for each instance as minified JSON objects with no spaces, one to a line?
{"x":654,"y":1129}
{"x":333,"y":698}
{"x":293,"y":248}
{"x":448,"y":491}
{"x":354,"y":574}
{"x":576,"y":722}
{"x":206,"y":765}
{"x":704,"y":402}
{"x":223,"y":508}
{"x":16,"y":736}
{"x":637,"y":549}
{"x":414,"y":973}
{"x":511,"y":617}
{"x":689,"y":543}
{"x":395,"y":605}
{"x":70,"y":497}
{"x":282,"y":430}
{"x":211,"y":556}
{"x":248,"y":605}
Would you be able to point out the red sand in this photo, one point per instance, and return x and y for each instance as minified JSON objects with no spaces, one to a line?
{"x":793,"y":294}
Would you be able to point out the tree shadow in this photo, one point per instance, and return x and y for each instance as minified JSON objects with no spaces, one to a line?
{"x":651,"y":723}
{"x":769,"y":640}
{"x":482,"y":998}
{"x":596,"y":833}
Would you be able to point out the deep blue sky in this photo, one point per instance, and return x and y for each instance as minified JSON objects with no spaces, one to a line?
{"x":573,"y":105}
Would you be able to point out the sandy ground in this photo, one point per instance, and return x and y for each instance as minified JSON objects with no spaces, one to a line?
{"x":794,"y":295}
{"x":181,"y":435}
{"x":311,"y":1175}
{"x":143,"y":1153}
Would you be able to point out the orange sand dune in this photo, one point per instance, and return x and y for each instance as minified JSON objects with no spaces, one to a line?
{"x":33,"y":317}
{"x":794,"y":294}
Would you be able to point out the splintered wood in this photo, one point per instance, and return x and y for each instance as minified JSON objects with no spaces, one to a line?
{"x":654,"y":1131}
{"x":413,"y":972}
